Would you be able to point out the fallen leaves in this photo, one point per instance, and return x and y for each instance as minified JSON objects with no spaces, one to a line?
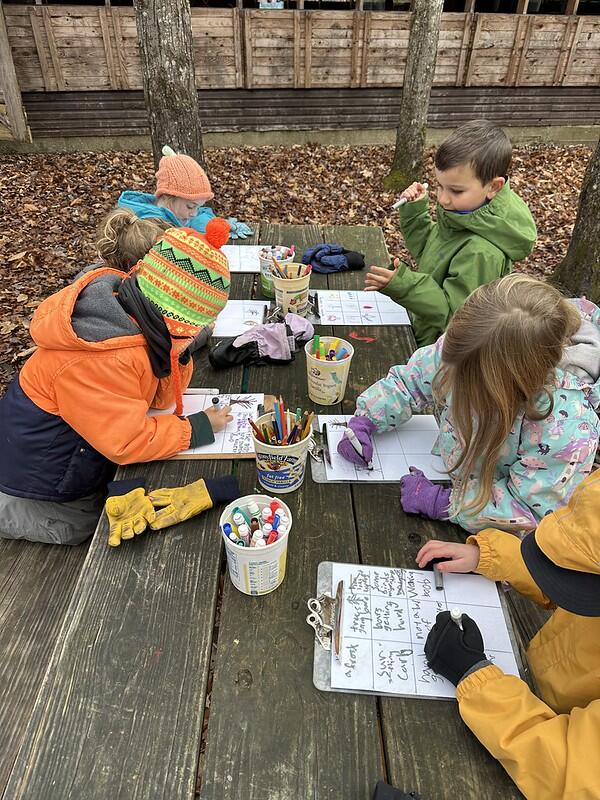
{"x":51,"y":204}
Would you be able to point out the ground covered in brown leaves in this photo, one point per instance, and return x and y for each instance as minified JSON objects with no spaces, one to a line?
{"x":50,"y":206}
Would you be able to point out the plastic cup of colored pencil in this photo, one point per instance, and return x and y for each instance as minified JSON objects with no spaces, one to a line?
{"x":281,"y":450}
{"x":327,"y":368}
{"x":283,"y":255}
{"x":291,"y":282}
{"x":256,"y":570}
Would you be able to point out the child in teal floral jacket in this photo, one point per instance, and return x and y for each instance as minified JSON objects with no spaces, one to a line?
{"x":516,"y":381}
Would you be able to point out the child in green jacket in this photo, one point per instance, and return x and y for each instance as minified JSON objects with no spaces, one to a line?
{"x":482,"y":227}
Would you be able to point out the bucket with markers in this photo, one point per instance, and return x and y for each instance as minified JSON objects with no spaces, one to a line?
{"x":283,"y":255}
{"x":281,"y":456}
{"x":291,"y":284}
{"x":328,"y":366}
{"x":255,"y":530}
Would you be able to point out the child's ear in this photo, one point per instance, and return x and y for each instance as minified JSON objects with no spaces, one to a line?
{"x":495,"y":186}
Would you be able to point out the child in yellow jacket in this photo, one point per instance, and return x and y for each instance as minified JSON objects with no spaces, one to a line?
{"x":548,"y":745}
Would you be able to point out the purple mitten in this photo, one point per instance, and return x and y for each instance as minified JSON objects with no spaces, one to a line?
{"x":418,"y":495}
{"x":363,"y":429}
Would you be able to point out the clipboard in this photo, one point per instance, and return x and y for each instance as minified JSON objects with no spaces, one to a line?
{"x":322,"y":660}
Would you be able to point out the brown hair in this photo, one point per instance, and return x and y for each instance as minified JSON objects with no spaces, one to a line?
{"x":480,"y":144}
{"x":498,"y":358}
{"x":123,"y":238}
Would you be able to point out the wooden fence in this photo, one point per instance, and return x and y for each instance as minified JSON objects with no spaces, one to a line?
{"x":79,"y":48}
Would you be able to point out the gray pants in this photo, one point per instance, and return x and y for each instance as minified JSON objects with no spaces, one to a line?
{"x":48,"y":522}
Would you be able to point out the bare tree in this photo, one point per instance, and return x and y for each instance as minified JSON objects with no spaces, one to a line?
{"x":418,"y":78}
{"x":165,"y":40}
{"x":579,"y":272}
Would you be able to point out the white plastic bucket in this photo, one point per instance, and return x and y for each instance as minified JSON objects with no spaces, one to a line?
{"x":291,"y":294}
{"x":327,"y":380}
{"x":280,"y":469}
{"x":256,"y":570}
{"x":284,"y":255}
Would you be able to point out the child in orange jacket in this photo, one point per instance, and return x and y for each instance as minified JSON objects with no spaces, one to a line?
{"x":109,"y":348}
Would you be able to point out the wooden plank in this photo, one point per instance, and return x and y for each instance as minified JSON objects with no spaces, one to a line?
{"x":248,"y":44}
{"x":518,"y":44}
{"x":297,"y":51}
{"x":522,"y":6}
{"x":572,"y":6}
{"x":263,"y":670}
{"x":34,"y":17}
{"x":238,"y":45}
{"x":307,"y":49}
{"x":523,"y":56}
{"x":355,"y":59}
{"x":47,"y":20}
{"x":9,"y":86}
{"x":36,"y":585}
{"x":572,"y":50}
{"x":123,"y":72}
{"x":465,"y":47}
{"x":364,"y":69}
{"x":472,"y":51}
{"x":115,"y":82}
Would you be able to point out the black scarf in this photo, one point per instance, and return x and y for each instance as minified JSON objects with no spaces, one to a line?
{"x":150,"y":320}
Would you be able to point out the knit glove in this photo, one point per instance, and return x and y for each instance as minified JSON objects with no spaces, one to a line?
{"x":418,"y":495}
{"x":453,"y":652}
{"x":128,"y":510}
{"x":363,"y":429}
{"x":179,"y":504}
{"x":239,"y":230}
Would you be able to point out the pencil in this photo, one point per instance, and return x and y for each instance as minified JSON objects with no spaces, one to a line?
{"x":257,"y":432}
{"x":307,"y":426}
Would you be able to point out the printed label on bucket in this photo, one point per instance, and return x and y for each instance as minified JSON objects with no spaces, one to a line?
{"x":294,"y":301}
{"x":279,"y":472}
{"x":327,"y":387}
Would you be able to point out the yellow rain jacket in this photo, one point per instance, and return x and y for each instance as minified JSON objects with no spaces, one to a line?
{"x":550,"y":746}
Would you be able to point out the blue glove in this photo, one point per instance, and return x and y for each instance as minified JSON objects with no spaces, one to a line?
{"x":239,"y":230}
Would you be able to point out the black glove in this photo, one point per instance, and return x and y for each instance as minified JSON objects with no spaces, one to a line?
{"x":200,"y":340}
{"x":452,"y":652}
{"x":383,"y":791}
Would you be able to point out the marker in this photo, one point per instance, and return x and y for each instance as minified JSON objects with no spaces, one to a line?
{"x":228,"y":531}
{"x":272,"y":537}
{"x":351,"y":436}
{"x":260,"y":543}
{"x":456,"y":617}
{"x":216,"y":402}
{"x":342,"y":354}
{"x":238,"y":510}
{"x":244,"y":534}
{"x":403,"y":200}
{"x":438,"y":577}
{"x":267,"y":515}
{"x":200,"y":391}
{"x":254,"y":526}
{"x":276,"y":521}
{"x":316,"y":342}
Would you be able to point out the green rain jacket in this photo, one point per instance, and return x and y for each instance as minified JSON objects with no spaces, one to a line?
{"x":456,"y":255}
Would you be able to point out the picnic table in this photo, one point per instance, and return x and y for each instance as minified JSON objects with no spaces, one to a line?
{"x":166,"y":682}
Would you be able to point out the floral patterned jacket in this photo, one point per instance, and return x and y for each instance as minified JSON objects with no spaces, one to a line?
{"x":541,"y":462}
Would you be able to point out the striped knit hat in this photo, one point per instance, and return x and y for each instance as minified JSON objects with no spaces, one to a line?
{"x":187,"y":277}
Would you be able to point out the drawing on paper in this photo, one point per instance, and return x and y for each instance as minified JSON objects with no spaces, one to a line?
{"x":238,"y":316}
{"x":348,"y":307}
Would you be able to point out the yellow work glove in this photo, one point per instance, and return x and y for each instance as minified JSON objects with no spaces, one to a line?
{"x":128,"y":514}
{"x":181,"y":503}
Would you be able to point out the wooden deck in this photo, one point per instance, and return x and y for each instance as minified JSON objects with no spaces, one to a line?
{"x":142,"y":662}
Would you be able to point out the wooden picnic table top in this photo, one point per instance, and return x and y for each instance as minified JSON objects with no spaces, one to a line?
{"x":148,"y":664}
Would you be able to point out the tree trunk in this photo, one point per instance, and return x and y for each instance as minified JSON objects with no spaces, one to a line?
{"x":579,"y":272}
{"x":418,"y":78}
{"x":165,"y":40}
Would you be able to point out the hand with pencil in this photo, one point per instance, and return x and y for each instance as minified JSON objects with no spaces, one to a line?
{"x":286,"y":427}
{"x":356,"y":446}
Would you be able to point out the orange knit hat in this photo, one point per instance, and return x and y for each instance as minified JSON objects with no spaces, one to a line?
{"x":180,"y":176}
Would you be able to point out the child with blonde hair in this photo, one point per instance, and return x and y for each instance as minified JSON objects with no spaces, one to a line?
{"x":122,"y":239}
{"x":515,"y":379}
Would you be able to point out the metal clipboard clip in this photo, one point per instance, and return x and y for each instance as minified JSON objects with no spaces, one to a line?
{"x":320,"y":452}
{"x":326,"y":618}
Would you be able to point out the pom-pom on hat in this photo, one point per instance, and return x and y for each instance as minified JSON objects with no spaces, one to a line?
{"x":180,"y":176}
{"x":187,"y":277}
